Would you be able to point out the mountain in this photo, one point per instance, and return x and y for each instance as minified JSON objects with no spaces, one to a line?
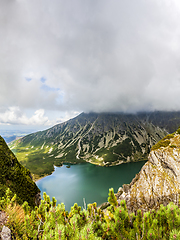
{"x":158,"y":182}
{"x":104,"y":139}
{"x":16,"y":177}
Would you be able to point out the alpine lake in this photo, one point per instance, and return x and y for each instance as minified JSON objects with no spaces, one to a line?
{"x":86,"y":183}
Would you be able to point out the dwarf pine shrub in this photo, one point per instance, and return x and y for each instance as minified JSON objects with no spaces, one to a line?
{"x":51,"y":221}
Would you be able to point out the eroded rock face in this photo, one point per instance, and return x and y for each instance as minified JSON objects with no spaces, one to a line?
{"x":158,"y":182}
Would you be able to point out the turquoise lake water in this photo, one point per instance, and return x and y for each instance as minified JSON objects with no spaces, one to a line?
{"x":88,"y":181}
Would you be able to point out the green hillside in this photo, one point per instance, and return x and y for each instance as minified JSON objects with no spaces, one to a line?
{"x":16,"y":177}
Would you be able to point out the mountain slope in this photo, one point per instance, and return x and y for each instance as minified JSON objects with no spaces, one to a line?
{"x":158,"y":182}
{"x":105,"y":139}
{"x":16,"y":177}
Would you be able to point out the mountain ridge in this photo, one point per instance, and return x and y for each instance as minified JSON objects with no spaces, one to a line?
{"x":105,"y":139}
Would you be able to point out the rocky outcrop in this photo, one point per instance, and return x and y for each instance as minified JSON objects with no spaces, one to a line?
{"x":158,"y":182}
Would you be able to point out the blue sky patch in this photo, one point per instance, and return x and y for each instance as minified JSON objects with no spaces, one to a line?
{"x":49,"y":89}
{"x":28,"y":79}
{"x":43,"y":80}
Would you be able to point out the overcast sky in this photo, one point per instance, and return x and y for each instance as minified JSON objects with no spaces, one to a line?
{"x":59,"y":58}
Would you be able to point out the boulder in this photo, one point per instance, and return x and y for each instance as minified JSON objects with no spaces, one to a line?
{"x":6,"y":233}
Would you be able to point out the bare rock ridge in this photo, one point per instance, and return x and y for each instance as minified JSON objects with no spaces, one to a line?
{"x":158,"y":182}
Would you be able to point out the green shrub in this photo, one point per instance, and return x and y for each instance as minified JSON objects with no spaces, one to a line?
{"x":178,"y":131}
{"x":162,"y":143}
{"x":173,"y":146}
{"x":49,"y":221}
{"x":169,"y":136}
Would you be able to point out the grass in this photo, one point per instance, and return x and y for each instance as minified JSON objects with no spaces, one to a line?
{"x":162,"y":143}
{"x":40,"y":161}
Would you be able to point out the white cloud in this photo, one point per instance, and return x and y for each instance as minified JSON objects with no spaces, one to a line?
{"x":39,"y":118}
{"x":94,"y":56}
{"x":15,"y":116}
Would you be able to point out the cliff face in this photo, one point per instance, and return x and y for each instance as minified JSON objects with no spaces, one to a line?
{"x":158,"y":182}
{"x":16,"y":177}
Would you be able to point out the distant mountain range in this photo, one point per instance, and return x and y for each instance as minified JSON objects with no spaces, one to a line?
{"x":11,"y":135}
{"x":105,"y":139}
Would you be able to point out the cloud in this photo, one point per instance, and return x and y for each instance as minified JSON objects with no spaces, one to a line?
{"x":15,"y":116}
{"x":89,"y":56}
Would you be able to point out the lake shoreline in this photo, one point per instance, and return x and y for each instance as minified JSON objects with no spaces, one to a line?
{"x":37,"y":178}
{"x":86,"y":181}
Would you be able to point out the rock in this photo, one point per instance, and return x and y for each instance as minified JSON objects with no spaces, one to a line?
{"x":3,"y":218}
{"x":158,"y":182}
{"x":104,"y":205}
{"x":38,"y":199}
{"x":6,"y":233}
{"x":120,"y":191}
{"x":126,"y":188}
